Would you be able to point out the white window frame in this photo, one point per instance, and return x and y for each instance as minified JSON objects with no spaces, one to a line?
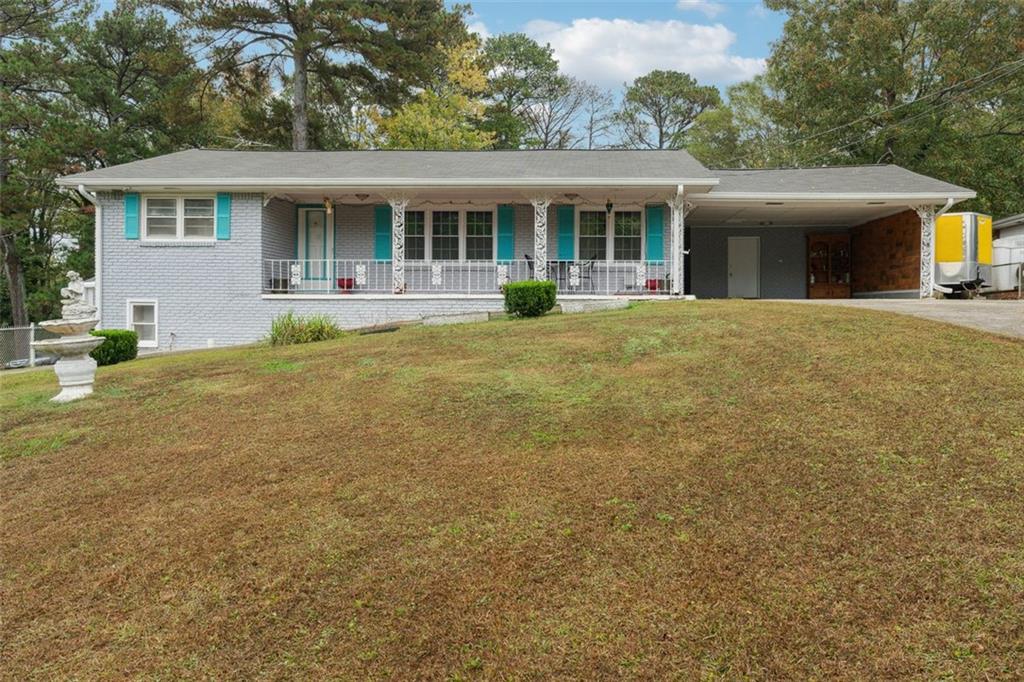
{"x":461,"y":209}
{"x":426,"y":235}
{"x":179,"y":233}
{"x":129,"y":320}
{"x":609,"y":229}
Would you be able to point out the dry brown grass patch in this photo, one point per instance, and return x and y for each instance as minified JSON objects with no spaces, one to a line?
{"x":719,"y":489}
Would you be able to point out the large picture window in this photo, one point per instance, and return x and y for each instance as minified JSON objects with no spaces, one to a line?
{"x":444,"y":241}
{"x":627,"y":235}
{"x":179,"y":218}
{"x":593,"y":235}
{"x":415,"y":235}
{"x":479,"y":235}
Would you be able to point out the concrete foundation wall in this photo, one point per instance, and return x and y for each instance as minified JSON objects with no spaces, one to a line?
{"x":783,"y":266}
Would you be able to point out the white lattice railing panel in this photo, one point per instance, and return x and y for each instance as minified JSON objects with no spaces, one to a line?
{"x":353,"y":276}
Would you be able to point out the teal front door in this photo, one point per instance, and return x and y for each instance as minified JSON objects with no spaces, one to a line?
{"x":317,"y":264}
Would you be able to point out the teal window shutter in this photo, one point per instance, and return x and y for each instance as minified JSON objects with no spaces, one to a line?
{"x":655,"y":233}
{"x":223,"y":215}
{"x":382,"y":232}
{"x":506,"y":232}
{"x":131,"y":215}
{"x":566,"y":216}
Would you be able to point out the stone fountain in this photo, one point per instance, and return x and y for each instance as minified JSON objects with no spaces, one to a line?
{"x":75,"y":370}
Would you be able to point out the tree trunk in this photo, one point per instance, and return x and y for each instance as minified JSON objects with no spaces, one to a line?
{"x":300,"y":119}
{"x":15,"y":276}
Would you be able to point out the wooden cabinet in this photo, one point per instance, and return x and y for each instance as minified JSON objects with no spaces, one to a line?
{"x":828,"y":265}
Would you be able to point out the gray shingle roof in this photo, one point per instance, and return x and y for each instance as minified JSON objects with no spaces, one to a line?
{"x":542,"y":167}
{"x":203,"y":164}
{"x":860,"y":180}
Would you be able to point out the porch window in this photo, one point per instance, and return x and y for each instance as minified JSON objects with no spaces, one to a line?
{"x":444,"y":241}
{"x":179,"y":218}
{"x":415,"y":235}
{"x":627,"y":235}
{"x":142,"y":320}
{"x":479,"y":235}
{"x":593,"y":235}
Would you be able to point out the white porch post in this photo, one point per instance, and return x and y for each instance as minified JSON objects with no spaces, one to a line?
{"x":398,"y":205}
{"x":679,"y":209}
{"x":540,"y":237}
{"x":927,"y":215}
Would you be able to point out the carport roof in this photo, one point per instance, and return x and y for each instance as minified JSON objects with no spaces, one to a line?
{"x":840,"y":182}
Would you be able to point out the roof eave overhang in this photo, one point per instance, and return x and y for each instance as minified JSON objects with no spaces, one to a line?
{"x":836,"y":197}
{"x":285,"y":184}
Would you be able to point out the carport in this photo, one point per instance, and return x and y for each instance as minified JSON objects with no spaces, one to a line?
{"x":764,"y":233}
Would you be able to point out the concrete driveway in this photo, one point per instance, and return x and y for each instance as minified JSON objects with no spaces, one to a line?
{"x":1000,"y":317}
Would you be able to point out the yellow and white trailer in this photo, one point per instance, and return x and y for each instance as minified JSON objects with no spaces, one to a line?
{"x":963,"y":250}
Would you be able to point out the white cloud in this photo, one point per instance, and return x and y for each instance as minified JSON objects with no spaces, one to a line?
{"x":758,"y":10}
{"x":709,"y":8}
{"x":609,"y":52}
{"x":477,"y":26}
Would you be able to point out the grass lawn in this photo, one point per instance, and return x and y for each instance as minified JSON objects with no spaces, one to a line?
{"x":712,"y":489}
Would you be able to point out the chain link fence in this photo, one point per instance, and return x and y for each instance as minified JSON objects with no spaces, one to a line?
{"x":16,"y":347}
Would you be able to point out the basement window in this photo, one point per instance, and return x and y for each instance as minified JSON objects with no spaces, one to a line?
{"x":142,"y":320}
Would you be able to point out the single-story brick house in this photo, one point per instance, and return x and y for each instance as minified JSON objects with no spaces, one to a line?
{"x":206,"y":247}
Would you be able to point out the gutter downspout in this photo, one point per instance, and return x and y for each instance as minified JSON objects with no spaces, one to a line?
{"x":97,"y":251}
{"x":938,"y":287}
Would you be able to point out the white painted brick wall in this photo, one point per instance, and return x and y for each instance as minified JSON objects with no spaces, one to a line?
{"x":212,"y":292}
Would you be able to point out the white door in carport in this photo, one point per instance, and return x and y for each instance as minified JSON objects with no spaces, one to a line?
{"x":744,"y":267}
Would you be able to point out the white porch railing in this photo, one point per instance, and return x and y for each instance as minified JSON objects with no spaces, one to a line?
{"x":595,"y":278}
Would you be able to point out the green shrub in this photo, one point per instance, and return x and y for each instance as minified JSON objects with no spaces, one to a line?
{"x":529,"y":299}
{"x":120,"y":345}
{"x":290,"y":328}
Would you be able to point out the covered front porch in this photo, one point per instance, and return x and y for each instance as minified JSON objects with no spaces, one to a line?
{"x":589,"y":242}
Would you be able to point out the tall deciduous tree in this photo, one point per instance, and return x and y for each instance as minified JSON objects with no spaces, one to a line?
{"x":739,"y":133}
{"x":554,"y":121}
{"x":597,"y":119}
{"x":931,"y":85}
{"x":381,"y":47}
{"x":77,"y":95}
{"x":660,"y":107}
{"x":521,"y":73}
{"x":35,"y":122}
{"x":445,"y":116}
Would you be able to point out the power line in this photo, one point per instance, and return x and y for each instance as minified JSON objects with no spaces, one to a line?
{"x":937,"y":93}
{"x":956,"y":98}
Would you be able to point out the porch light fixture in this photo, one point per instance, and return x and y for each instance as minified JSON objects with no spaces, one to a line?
{"x":362,"y":197}
{"x":774,"y":203}
{"x":572,"y":196}
{"x":328,"y":205}
{"x":876,"y":203}
{"x":609,"y":206}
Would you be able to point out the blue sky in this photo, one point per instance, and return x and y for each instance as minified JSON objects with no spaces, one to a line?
{"x":718,"y":42}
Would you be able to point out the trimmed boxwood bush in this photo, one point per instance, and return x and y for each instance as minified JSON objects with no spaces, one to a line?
{"x":120,"y":345}
{"x":290,"y":328}
{"x":530,"y":298}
